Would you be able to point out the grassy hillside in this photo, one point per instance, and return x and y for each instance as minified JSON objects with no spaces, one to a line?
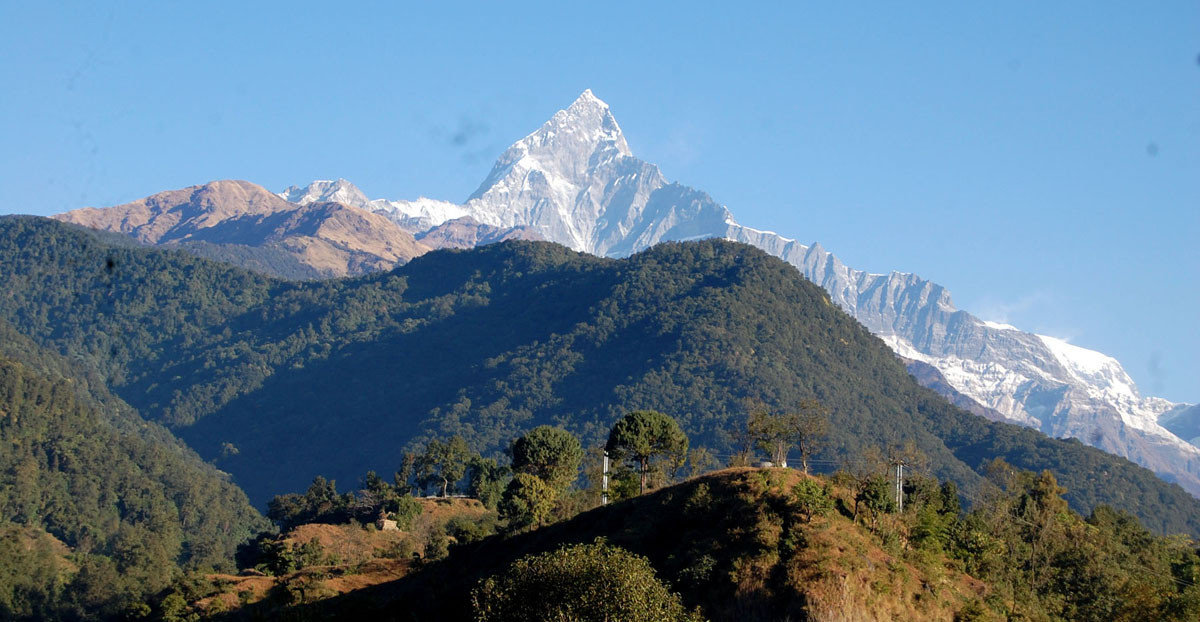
{"x":280,"y":381}
{"x":316,"y":561}
{"x":739,"y":544}
{"x":731,"y":543}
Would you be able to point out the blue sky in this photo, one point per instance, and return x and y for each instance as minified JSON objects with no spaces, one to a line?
{"x":1042,"y":162}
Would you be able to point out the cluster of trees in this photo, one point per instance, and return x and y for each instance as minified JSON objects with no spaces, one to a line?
{"x":1039,"y":558}
{"x":539,"y":482}
{"x":444,"y":468}
{"x":645,"y":435}
{"x":545,"y":464}
{"x":322,"y":503}
{"x":777,"y":432}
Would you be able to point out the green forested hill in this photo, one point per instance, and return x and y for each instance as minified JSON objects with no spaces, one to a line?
{"x":264,"y":259}
{"x":282,"y":381}
{"x":130,"y":501}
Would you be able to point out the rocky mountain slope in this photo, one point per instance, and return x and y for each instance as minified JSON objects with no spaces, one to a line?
{"x":437,"y":224}
{"x":1184,"y":421}
{"x":466,"y":232}
{"x":332,"y":238}
{"x":575,"y":181}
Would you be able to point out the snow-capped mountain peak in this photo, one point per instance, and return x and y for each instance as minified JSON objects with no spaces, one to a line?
{"x":574,"y":177}
{"x":587,"y":121}
{"x":326,"y":191}
{"x":574,"y":141}
{"x":1087,"y":365}
{"x":1104,"y":380}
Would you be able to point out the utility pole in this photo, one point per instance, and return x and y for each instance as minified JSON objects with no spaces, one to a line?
{"x":604,"y":482}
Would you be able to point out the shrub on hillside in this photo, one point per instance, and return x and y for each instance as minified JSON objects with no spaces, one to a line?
{"x":582,"y":582}
{"x":812,"y":499}
{"x":527,"y":502}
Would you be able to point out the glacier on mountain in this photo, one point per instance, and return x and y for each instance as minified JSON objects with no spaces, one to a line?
{"x":575,"y":181}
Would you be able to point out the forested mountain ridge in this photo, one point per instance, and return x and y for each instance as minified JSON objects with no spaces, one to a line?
{"x":132,"y":503}
{"x":109,"y":306}
{"x":337,"y":377}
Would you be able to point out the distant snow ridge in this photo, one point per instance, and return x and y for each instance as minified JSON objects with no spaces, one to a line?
{"x":414,"y":216}
{"x":420,"y":215}
{"x":575,"y":181}
{"x":325,"y":191}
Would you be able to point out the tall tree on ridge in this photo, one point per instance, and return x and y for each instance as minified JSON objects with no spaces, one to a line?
{"x":776,"y":433}
{"x":550,"y":453}
{"x":644,"y":434}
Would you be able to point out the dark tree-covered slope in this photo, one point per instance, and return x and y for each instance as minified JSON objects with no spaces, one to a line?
{"x":336,"y":377}
{"x":131,"y":502}
{"x":264,"y":259}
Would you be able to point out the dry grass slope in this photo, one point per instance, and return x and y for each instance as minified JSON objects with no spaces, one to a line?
{"x":354,"y":557}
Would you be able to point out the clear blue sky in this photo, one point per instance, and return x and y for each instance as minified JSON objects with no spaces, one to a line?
{"x":1041,"y":160}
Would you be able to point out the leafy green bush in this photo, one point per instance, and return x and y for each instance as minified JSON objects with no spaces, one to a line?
{"x":527,"y":502}
{"x":584,"y":582}
{"x":466,"y":529}
{"x":437,"y":544}
{"x":812,"y":499}
{"x":403,"y":510}
{"x":875,"y":496}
